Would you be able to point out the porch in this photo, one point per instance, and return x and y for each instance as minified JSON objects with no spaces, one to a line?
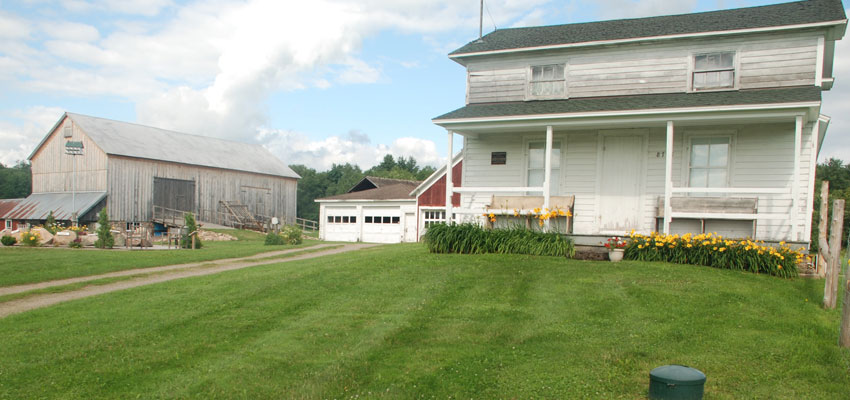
{"x":738,"y":171}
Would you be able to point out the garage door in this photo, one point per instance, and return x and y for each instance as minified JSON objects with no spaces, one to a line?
{"x":342,"y":224}
{"x":382,"y":225}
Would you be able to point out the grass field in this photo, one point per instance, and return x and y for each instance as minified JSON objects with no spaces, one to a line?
{"x":20,"y":265}
{"x":398,"y":322}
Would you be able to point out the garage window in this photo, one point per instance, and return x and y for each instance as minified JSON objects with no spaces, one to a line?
{"x":343,"y":219}
{"x":368,"y":220}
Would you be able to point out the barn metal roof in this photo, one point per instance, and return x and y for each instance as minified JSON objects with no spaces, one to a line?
{"x":7,"y":205}
{"x":799,"y":13}
{"x":140,"y":141}
{"x":39,"y":205}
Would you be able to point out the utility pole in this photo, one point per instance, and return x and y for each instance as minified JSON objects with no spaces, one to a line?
{"x":74,"y":149}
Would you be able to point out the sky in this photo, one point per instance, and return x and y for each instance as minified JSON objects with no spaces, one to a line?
{"x":316,"y":82}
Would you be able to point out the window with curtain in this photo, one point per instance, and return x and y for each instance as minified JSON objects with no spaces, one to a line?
{"x":714,"y":70}
{"x":547,"y":81}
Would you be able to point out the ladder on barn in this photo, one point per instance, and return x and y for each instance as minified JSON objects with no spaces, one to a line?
{"x":244,"y":217}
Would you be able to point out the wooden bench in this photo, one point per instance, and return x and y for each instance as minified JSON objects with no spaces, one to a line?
{"x":709,"y":208}
{"x":506,"y":205}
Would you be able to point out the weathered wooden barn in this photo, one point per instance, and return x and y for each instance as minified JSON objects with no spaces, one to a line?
{"x":133,"y":169}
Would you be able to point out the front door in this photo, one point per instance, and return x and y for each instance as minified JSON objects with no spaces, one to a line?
{"x":409,"y":227}
{"x":621,"y":182}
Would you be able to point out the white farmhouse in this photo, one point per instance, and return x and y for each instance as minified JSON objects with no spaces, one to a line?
{"x":706,"y":122}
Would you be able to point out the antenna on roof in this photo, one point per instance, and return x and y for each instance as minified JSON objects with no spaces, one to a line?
{"x":481,"y":21}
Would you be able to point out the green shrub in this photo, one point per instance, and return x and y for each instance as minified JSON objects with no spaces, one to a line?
{"x":274,"y":239}
{"x":191,"y":226}
{"x":105,"y":240}
{"x":31,"y":238}
{"x":291,"y":234}
{"x":473,"y":239}
{"x":7,"y":240}
{"x":51,"y":225}
{"x":76,"y":244}
{"x":713,"y":250}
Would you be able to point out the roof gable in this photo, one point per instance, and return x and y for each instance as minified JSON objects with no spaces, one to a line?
{"x":395,"y":191}
{"x":139,"y":141}
{"x":770,"y":16}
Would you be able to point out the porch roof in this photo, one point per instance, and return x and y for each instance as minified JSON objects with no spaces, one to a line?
{"x":653,"y":102}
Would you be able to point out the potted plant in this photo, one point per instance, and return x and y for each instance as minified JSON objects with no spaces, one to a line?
{"x":616,"y":248}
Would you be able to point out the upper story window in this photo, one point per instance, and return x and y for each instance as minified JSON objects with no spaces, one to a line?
{"x":714,"y":70}
{"x":709,"y":163}
{"x":547,"y":81}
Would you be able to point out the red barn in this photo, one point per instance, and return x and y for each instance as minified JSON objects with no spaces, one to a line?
{"x":431,"y":196}
{"x":6,"y":205}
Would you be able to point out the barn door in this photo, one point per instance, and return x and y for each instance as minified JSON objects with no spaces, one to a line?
{"x":621,"y":182}
{"x":175,"y":194}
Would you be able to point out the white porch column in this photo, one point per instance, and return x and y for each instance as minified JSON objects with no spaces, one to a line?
{"x":449,"y":183}
{"x":795,"y":179}
{"x":547,"y":165}
{"x":668,"y":178}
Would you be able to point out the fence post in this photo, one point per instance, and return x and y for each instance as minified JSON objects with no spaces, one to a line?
{"x":844,"y":331}
{"x":830,"y":292}
{"x":823,"y":246}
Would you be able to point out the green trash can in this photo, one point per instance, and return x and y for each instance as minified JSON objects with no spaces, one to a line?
{"x":676,"y":382}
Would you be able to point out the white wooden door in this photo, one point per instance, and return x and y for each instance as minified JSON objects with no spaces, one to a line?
{"x":409,"y":227}
{"x":620,"y":184}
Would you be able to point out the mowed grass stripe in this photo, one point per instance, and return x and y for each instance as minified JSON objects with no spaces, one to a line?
{"x":397,"y":322}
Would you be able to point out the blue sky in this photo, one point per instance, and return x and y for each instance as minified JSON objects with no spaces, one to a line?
{"x":318,"y":82}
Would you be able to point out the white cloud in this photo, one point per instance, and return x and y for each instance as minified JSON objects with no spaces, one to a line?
{"x":13,"y":27}
{"x":615,"y":9}
{"x":533,"y":18}
{"x":20,"y":137}
{"x":70,"y":31}
{"x":356,"y":148}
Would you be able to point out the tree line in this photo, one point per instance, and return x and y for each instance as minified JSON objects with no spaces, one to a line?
{"x":838,"y":174}
{"x":16,"y":181}
{"x":342,"y":177}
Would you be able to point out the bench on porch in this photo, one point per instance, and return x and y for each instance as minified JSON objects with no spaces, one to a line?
{"x":507,"y":206}
{"x":711,"y":214}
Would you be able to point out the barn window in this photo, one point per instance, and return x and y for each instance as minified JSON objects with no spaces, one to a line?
{"x":498,"y":158}
{"x":9,"y":224}
{"x":547,"y":81}
{"x":709,"y":162}
{"x":714,"y":70}
{"x":434,"y":217}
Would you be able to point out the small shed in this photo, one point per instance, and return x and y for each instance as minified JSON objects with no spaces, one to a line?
{"x":376,"y":210}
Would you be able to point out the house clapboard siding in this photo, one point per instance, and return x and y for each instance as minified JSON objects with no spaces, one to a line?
{"x":632,"y":69}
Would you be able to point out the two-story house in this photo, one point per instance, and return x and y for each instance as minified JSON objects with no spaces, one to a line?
{"x":704,"y":122}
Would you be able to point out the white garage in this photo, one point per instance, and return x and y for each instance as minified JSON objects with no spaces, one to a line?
{"x":376,"y":210}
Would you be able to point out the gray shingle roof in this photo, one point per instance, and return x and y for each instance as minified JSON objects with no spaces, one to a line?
{"x":638,"y":102}
{"x":397,"y":191}
{"x":139,"y":141}
{"x":796,"y":13}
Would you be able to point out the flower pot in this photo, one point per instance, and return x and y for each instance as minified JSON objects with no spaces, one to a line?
{"x":616,"y":255}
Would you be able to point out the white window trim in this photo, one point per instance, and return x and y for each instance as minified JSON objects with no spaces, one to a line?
{"x":736,"y":65}
{"x":701,"y":134}
{"x":525,"y":158}
{"x":9,"y":224}
{"x":528,"y":84}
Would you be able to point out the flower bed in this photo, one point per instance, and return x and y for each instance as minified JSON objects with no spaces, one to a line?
{"x":716,"y":251}
{"x":473,"y":239}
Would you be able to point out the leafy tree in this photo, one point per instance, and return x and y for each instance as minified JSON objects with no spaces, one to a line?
{"x":838,"y":174}
{"x":191,"y":226}
{"x":105,"y":240}
{"x":15,"y":182}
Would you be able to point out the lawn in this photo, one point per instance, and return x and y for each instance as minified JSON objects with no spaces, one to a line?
{"x":20,"y":265}
{"x":398,"y":322}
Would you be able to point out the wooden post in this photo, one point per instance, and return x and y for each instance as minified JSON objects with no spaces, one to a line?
{"x":195,"y":233}
{"x":844,"y":331}
{"x":823,"y":246}
{"x":830,"y":292}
